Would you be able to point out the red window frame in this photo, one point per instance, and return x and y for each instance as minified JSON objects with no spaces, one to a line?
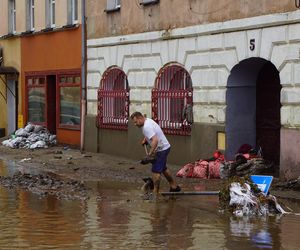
{"x":34,"y":85}
{"x":60,"y":85}
{"x":172,"y":100}
{"x":113,"y":100}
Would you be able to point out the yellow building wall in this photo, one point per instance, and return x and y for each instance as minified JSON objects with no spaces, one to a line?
{"x":12,"y":57}
{"x":4,"y":18}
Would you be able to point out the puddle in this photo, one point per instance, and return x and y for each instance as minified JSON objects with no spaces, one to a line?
{"x":8,"y":168}
{"x":116,"y":217}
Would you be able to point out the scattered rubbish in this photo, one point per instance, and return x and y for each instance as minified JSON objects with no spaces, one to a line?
{"x":242,"y":197}
{"x":57,"y":152}
{"x":87,"y":155}
{"x":25,"y":159}
{"x":31,"y":137}
{"x":293,"y":184}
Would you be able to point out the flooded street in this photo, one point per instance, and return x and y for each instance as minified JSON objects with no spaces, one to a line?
{"x":116,"y":217}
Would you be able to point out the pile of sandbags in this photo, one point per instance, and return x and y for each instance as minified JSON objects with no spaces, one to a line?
{"x":31,"y":137}
{"x":203,"y":169}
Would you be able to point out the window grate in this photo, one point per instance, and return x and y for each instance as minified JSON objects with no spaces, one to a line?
{"x":113,"y":100}
{"x":172,"y":100}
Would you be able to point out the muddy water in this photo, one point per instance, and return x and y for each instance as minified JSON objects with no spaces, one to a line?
{"x":116,"y":217}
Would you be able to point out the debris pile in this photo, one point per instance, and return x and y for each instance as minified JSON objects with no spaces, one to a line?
{"x":31,"y":137}
{"x":243,"y":167}
{"x":45,"y":185}
{"x":293,"y":184}
{"x":242,"y":197}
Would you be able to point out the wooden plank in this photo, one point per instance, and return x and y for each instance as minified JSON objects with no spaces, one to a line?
{"x":192,"y":193}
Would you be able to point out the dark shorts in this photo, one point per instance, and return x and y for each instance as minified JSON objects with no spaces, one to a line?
{"x":160,"y":164}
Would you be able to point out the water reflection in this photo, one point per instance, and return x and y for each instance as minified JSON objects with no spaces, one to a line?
{"x":116,"y":217}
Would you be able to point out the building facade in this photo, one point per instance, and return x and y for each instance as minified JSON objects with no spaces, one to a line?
{"x":42,"y":40}
{"x":214,"y":76}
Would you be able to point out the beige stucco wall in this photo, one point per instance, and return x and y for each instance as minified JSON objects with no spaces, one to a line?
{"x":60,"y":11}
{"x":4,"y":18}
{"x":12,"y":57}
{"x":40,"y":20}
{"x":40,"y":11}
{"x":21,"y":16}
{"x":170,"y":14}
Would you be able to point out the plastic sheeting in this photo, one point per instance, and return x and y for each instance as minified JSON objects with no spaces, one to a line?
{"x":245,"y":202}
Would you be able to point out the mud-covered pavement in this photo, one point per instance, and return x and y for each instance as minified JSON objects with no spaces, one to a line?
{"x":64,"y":168}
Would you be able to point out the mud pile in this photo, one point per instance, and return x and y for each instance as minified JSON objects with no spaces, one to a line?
{"x":44,"y":185}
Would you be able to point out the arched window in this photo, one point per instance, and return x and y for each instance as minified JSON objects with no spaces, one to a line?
{"x":172,"y":100}
{"x":113,"y":100}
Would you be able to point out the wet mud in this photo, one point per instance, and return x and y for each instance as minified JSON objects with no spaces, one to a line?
{"x":43,"y":185}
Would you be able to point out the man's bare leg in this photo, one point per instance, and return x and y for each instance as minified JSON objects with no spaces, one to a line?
{"x":169,"y":178}
{"x":156,"y":182}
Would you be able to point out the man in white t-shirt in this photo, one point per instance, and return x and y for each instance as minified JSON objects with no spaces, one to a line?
{"x":154,"y":136}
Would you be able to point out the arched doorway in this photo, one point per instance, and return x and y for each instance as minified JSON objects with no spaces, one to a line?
{"x":253,"y":108}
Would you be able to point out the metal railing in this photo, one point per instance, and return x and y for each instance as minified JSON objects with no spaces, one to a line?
{"x":113,"y":100}
{"x":172,"y":100}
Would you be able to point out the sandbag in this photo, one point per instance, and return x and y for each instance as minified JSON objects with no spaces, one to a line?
{"x":200,"y":169}
{"x":186,"y":171}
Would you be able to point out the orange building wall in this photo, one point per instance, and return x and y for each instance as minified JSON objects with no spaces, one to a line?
{"x":52,"y":51}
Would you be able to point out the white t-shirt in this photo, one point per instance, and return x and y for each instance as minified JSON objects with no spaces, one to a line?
{"x":150,"y":129}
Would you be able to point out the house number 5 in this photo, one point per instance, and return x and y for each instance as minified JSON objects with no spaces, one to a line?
{"x":252,"y":44}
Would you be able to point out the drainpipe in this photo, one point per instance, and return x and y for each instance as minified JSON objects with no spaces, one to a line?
{"x":83,"y":74}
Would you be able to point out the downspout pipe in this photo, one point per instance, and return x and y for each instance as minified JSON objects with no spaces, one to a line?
{"x":83,"y":75}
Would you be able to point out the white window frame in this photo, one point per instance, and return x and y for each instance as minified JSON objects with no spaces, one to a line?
{"x":118,"y":4}
{"x":74,"y":11}
{"x":146,"y":2}
{"x":12,"y":15}
{"x":31,"y":13}
{"x":52,"y":13}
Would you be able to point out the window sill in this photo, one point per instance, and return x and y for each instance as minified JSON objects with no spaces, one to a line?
{"x":47,"y":29}
{"x":69,"y":26}
{"x":26,"y":33}
{"x":112,"y":10}
{"x":149,"y":2}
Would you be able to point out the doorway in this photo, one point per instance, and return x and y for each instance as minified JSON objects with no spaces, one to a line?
{"x":11,"y":106}
{"x":51,"y":103}
{"x":253,"y":108}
